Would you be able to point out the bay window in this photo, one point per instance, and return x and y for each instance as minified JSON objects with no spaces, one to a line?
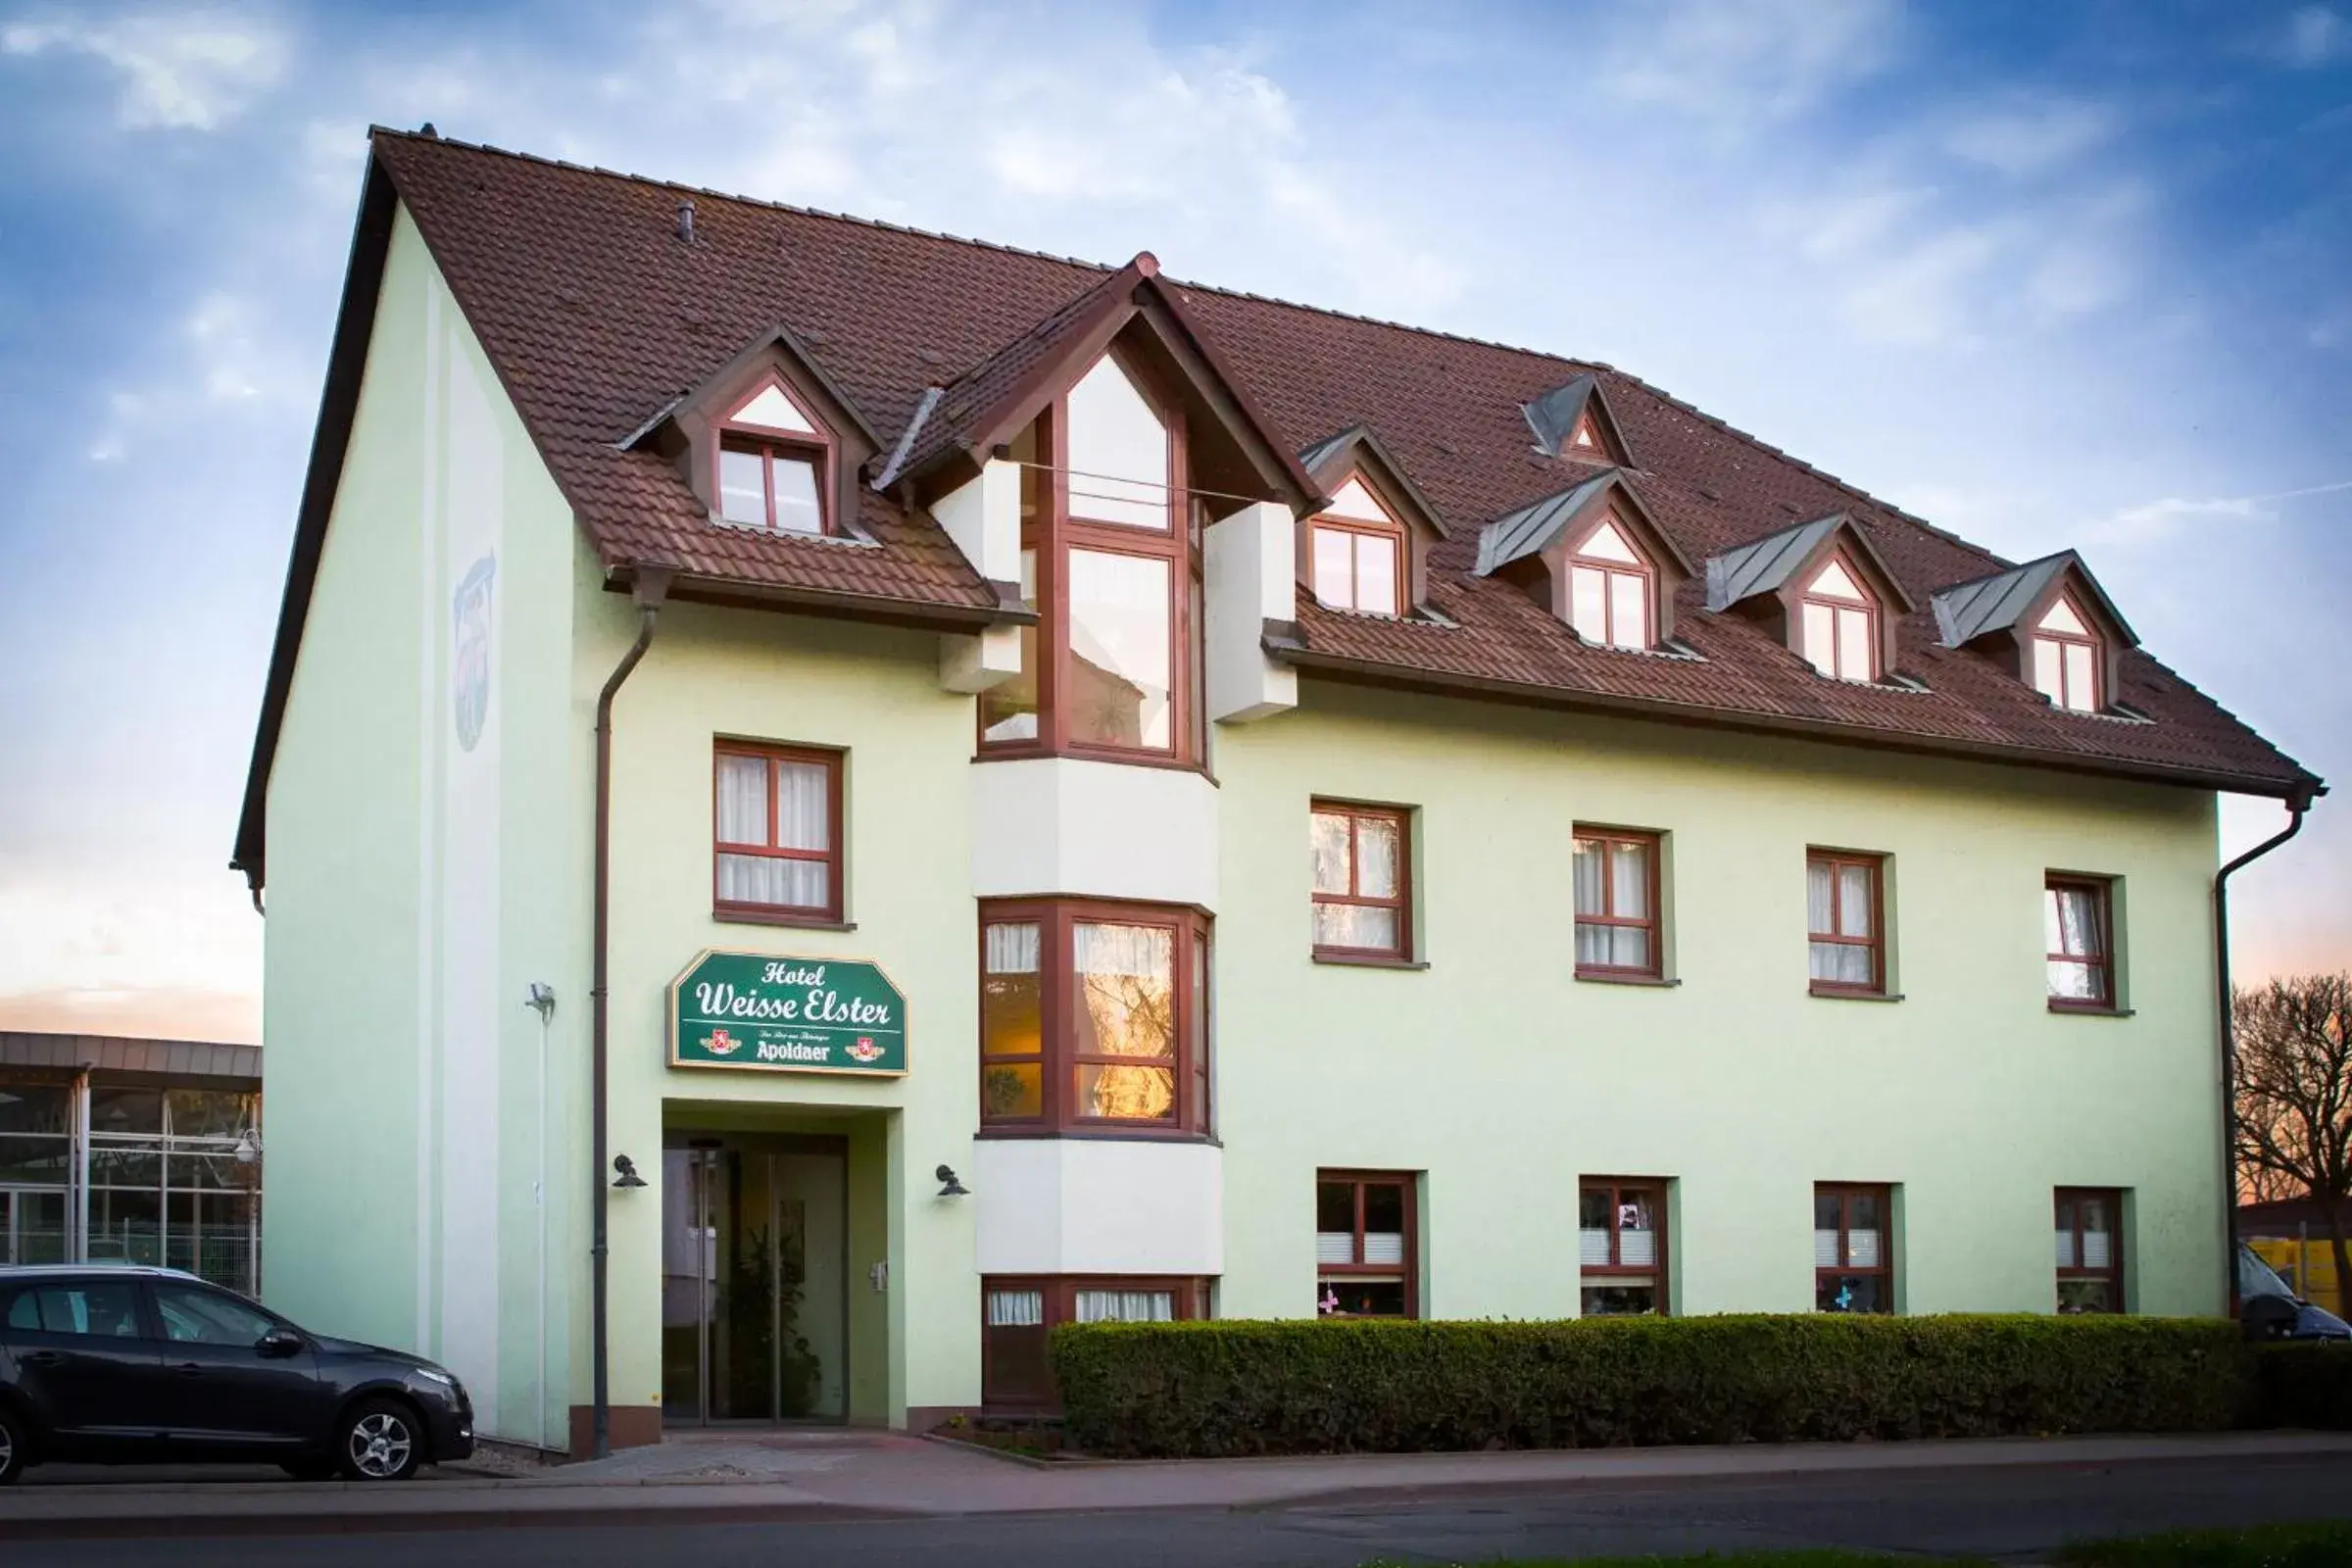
{"x":2077,"y":930}
{"x":1093,"y":1017}
{"x":1621,"y":1247}
{"x":1616,"y":887}
{"x":777,"y":830}
{"x":1112,"y":560}
{"x":2090,"y":1254}
{"x":1366,"y":1252}
{"x":1018,"y":1314}
{"x":1845,"y":943}
{"x":1853,"y":1256}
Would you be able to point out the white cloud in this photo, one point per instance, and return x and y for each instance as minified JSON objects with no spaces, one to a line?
{"x":2314,"y":36}
{"x":2030,"y":135}
{"x":190,"y":73}
{"x":1731,"y":61}
{"x":2168,"y":515}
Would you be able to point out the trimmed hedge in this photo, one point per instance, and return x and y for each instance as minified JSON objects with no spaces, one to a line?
{"x":2306,"y":1385}
{"x":1172,"y":1389}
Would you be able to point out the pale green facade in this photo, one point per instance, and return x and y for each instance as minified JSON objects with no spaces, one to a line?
{"x":423,"y":875}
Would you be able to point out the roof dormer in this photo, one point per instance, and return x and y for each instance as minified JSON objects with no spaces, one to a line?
{"x":2050,"y":621}
{"x":1367,"y":549}
{"x":1595,"y":557}
{"x":1822,"y":589}
{"x":1573,"y":421}
{"x":768,"y":443}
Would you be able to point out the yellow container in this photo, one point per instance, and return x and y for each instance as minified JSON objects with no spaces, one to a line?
{"x":2309,"y":1267}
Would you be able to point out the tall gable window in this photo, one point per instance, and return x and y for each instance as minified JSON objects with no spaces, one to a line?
{"x":1841,"y":623}
{"x":1112,"y":558}
{"x":771,"y":465}
{"x":1611,"y":589}
{"x":2067,"y":656}
{"x":1357,"y":553}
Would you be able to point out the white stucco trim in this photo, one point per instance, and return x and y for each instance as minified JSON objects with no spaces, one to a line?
{"x":984,"y":519}
{"x":1097,"y":1205}
{"x":1251,"y":578}
{"x":1058,"y":825}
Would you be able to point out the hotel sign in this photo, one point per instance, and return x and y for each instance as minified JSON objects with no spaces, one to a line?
{"x":762,"y":1013}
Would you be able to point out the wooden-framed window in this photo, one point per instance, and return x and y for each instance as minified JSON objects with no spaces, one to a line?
{"x":1368,"y":1251}
{"x":1093,"y":1016}
{"x":2068,"y":657}
{"x":771,"y":465}
{"x":1018,"y":1312}
{"x":2077,"y":930}
{"x":1840,"y":623}
{"x":1586,"y":438}
{"x":1112,"y":556}
{"x":777,"y":830}
{"x":2090,"y":1250}
{"x":1853,"y":1248}
{"x":1621,"y":1246}
{"x":1612,"y":589}
{"x":1363,"y":881}
{"x":1616,"y":877}
{"x":1846,"y":922}
{"x":1356,"y":554}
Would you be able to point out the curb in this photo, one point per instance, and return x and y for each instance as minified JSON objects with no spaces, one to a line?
{"x":240,"y":1525}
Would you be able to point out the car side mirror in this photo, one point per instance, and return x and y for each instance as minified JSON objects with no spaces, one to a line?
{"x":2269,"y":1317}
{"x":279,"y":1343}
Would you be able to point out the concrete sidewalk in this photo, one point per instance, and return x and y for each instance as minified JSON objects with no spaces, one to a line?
{"x":857,"y":1475}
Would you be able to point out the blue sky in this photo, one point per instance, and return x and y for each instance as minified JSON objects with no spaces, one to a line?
{"x":2048,"y":274}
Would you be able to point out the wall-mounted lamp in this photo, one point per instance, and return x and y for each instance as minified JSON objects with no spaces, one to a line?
{"x":541,"y":999}
{"x":629,"y":1176}
{"x":248,"y":1150}
{"x":949,"y":1186}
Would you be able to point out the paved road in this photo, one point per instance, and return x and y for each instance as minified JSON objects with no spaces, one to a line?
{"x":2014,"y":1513}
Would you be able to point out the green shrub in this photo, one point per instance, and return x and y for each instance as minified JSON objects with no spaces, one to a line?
{"x":2306,"y":1385}
{"x":1163,"y":1390}
{"x":2297,"y":1546}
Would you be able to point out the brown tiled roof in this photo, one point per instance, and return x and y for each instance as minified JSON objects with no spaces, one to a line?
{"x":597,"y":315}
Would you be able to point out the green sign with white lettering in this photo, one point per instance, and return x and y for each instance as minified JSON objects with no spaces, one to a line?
{"x":767,"y":1014}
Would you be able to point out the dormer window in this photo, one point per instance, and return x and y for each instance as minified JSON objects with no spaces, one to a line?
{"x":2067,"y":657}
{"x":1611,"y":590}
{"x":1841,"y":629}
{"x":1357,"y":553}
{"x":771,"y":465}
{"x":1585,"y":438}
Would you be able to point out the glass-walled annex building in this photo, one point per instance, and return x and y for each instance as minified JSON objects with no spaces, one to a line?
{"x":116,"y":1151}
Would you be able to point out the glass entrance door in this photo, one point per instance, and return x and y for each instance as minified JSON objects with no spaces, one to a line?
{"x":754,"y":1287}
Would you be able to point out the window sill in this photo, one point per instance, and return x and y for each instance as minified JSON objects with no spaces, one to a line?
{"x":805,"y":922}
{"x":1113,"y":1135}
{"x":1603,"y":977}
{"x":2081,"y":1010}
{"x":1835,"y":993}
{"x":1367,"y":960}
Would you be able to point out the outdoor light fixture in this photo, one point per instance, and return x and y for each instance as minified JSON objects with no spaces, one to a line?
{"x":248,"y":1150}
{"x":627,"y":1168}
{"x":949,"y":1186}
{"x":541,"y":999}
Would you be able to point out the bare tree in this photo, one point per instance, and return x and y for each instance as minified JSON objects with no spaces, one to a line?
{"x":2293,"y":1095}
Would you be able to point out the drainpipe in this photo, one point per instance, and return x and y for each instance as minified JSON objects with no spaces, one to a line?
{"x":2297,"y":805}
{"x":651,"y":586}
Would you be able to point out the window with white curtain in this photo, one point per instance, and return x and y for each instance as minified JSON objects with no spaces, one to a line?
{"x":1125,"y":1307}
{"x":2076,"y":926}
{"x":1360,"y":900}
{"x":2091,"y":1256}
{"x":1620,"y":1248}
{"x":1616,"y":888}
{"x":1844,"y":924}
{"x":777,"y":815}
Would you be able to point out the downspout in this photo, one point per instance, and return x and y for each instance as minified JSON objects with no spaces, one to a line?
{"x":2297,"y":805}
{"x":650,"y":585}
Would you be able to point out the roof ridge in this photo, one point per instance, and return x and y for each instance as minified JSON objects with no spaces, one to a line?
{"x":739,"y":197}
{"x":1108,"y":269}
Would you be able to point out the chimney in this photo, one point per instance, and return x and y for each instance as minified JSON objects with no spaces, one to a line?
{"x":686,"y":221}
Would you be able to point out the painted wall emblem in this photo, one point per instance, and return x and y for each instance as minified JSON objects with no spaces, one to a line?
{"x":470,"y":671}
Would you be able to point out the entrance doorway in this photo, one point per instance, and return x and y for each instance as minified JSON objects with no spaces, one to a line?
{"x":755,"y":1285}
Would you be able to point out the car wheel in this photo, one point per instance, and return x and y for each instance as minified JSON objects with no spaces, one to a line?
{"x":379,"y":1439}
{"x":14,"y":1448}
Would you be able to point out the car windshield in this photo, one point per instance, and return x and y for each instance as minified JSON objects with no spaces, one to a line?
{"x":2257,"y":1278}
